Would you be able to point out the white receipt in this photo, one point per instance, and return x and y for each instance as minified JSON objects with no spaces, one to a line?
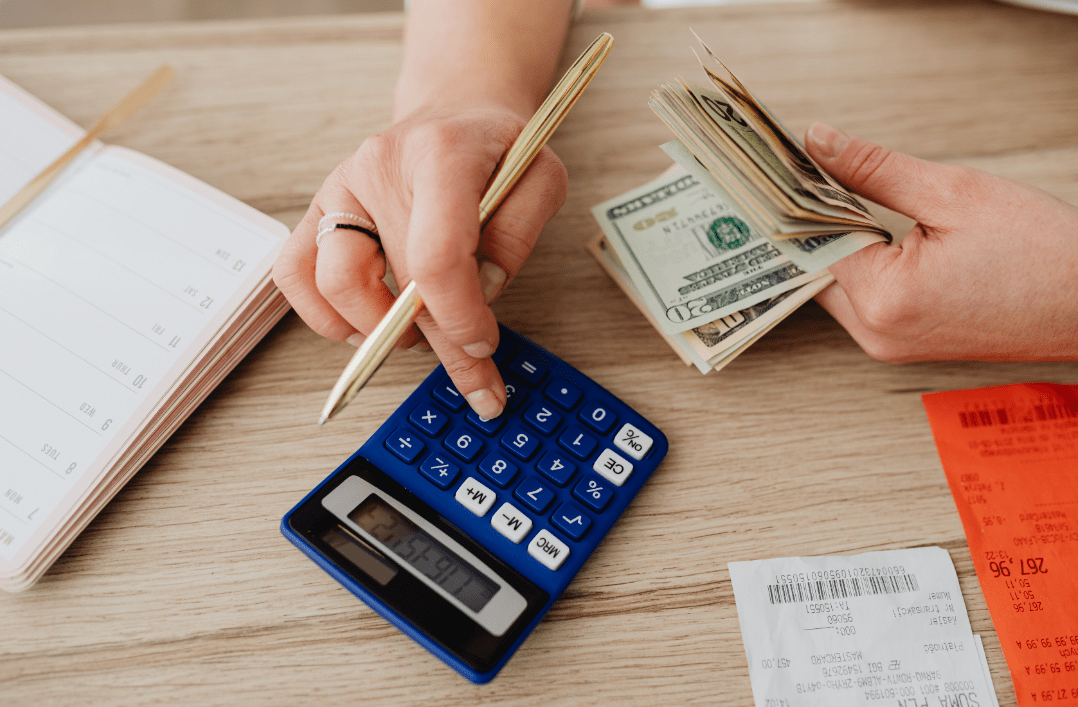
{"x":881,"y":628}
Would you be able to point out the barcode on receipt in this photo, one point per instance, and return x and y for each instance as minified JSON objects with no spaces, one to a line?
{"x":796,"y":592}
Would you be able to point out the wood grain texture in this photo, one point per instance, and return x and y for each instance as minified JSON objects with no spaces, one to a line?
{"x":184,"y":591}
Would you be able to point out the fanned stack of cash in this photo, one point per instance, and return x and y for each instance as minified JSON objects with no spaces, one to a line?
{"x":719,"y":250}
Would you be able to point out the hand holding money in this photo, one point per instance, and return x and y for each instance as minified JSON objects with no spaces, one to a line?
{"x":990,"y":271}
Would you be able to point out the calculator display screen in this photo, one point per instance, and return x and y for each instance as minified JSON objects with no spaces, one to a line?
{"x":360,"y":554}
{"x":432,"y":559}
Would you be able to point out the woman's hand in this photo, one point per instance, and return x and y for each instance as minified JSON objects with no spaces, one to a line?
{"x":420,"y":182}
{"x":990,"y":271}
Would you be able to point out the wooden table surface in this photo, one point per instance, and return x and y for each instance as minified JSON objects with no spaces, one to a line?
{"x":183,"y":589}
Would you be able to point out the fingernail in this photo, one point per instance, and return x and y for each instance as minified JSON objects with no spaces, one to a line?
{"x":829,"y":141}
{"x":422,"y":346}
{"x":492,"y":279}
{"x":480,"y":349}
{"x":356,"y":339}
{"x":485,"y":403}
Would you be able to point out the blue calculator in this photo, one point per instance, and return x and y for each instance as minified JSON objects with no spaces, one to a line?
{"x":462,"y":532}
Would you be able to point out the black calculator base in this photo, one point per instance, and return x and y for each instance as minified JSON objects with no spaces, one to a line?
{"x":420,"y":612}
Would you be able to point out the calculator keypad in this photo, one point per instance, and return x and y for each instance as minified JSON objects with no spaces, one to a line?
{"x":405,"y":445}
{"x":511,"y":522}
{"x":563,"y":394}
{"x":632,"y":441}
{"x":536,"y":495}
{"x":593,"y":492}
{"x":498,"y":469}
{"x":556,"y":467}
{"x":447,"y":393}
{"x":598,"y":417}
{"x":441,"y":472}
{"x":429,"y":419}
{"x":613,"y":467}
{"x":487,"y":427}
{"x":536,"y":447}
{"x":464,"y":443}
{"x":571,"y":520}
{"x":520,"y":444}
{"x":577,"y":442}
{"x":548,"y":549}
{"x":476,"y":497}
{"x":542,"y":418}
{"x":530,"y":371}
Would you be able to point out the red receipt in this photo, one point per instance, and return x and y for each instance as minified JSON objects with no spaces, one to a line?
{"x":1011,"y":458}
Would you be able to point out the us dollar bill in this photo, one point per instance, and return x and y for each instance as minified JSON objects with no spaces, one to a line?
{"x":773,"y":138}
{"x":810,"y":254}
{"x":713,"y":345}
{"x":690,"y":256}
{"x":713,"y":340}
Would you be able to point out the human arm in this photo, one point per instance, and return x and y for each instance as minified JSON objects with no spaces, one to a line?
{"x":989,"y":272}
{"x":473,"y":73}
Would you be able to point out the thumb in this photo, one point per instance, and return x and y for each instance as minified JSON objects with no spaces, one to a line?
{"x":893,"y":179}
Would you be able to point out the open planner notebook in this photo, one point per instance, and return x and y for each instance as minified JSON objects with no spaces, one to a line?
{"x":127,"y":292}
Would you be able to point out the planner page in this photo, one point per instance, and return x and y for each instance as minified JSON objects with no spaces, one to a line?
{"x":35,"y":137}
{"x":111,"y":287}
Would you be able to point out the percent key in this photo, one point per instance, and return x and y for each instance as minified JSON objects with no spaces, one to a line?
{"x":594,"y":492}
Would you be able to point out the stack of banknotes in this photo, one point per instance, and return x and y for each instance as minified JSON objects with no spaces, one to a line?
{"x":735,"y":236}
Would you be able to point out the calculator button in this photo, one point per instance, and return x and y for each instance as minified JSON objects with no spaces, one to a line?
{"x":564,"y":395}
{"x":511,"y":522}
{"x":632,"y":441}
{"x":447,"y":393}
{"x":534,"y":494}
{"x":405,"y":445}
{"x":577,"y":442}
{"x":548,"y":549}
{"x":556,"y":467}
{"x":521,"y":444}
{"x":528,"y":367}
{"x":571,"y":520}
{"x":598,"y":417}
{"x":593,"y":492}
{"x":505,"y":347}
{"x":474,"y":496}
{"x":514,"y":395}
{"x":498,"y":469}
{"x":464,"y":443}
{"x":542,"y":418}
{"x":429,"y":419}
{"x":439,"y":470}
{"x":487,"y":427}
{"x":613,"y":467}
